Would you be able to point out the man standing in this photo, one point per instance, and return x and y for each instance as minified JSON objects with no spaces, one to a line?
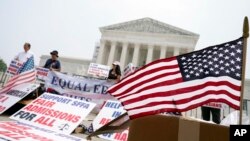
{"x":53,"y":64}
{"x":215,"y":109}
{"x":25,"y":55}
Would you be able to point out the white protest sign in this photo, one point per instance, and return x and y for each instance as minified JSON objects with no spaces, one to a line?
{"x":16,"y":131}
{"x":130,"y":68}
{"x":110,"y":111}
{"x":89,"y":89}
{"x":16,"y":94}
{"x":42,"y":73}
{"x":54,"y":112}
{"x":98,"y":70}
{"x":14,"y":67}
{"x":216,"y":105}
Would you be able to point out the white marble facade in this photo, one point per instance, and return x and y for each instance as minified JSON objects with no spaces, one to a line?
{"x":143,"y":41}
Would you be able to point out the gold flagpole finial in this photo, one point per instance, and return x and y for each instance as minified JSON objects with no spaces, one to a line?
{"x":245,"y":28}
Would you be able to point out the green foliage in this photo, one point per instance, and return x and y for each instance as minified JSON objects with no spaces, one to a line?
{"x":3,"y":66}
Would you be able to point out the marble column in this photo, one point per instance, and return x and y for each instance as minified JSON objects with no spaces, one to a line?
{"x":111,"y":53}
{"x":124,"y":55}
{"x":101,"y":52}
{"x":136,"y":55}
{"x":163,"y":52}
{"x":176,"y":51}
{"x":150,"y":54}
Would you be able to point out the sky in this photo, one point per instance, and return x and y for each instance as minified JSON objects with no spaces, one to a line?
{"x":72,"y":26}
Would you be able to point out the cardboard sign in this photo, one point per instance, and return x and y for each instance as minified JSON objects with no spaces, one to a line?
{"x":54,"y":112}
{"x":16,"y":94}
{"x":110,"y":111}
{"x":16,"y":131}
{"x":14,"y":67}
{"x":98,"y":70}
{"x":41,"y":73}
{"x":88,"y":89}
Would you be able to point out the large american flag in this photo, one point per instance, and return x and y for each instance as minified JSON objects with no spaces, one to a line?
{"x":184,"y":82}
{"x":25,"y":74}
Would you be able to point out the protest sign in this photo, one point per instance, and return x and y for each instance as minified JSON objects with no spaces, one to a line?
{"x":89,"y":89}
{"x":14,"y":95}
{"x":216,"y":105}
{"x":111,"y":110}
{"x":14,"y":67}
{"x":130,"y":68}
{"x":98,"y":70}
{"x":54,"y":112}
{"x":41,"y":74}
{"x":16,"y":131}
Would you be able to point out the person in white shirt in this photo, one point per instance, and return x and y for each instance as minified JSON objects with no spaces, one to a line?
{"x":25,"y":55}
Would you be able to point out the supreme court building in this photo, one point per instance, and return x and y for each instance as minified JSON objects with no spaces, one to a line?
{"x":142,"y":41}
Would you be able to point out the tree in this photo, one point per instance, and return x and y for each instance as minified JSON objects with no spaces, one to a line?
{"x":3,"y":66}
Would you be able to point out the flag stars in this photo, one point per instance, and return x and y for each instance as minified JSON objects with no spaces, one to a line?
{"x":220,"y":55}
{"x":197,"y":74}
{"x":232,"y":46}
{"x":210,"y":62}
{"x":222,"y":68}
{"x":232,"y":62}
{"x":221,"y":62}
{"x":216,"y":72}
{"x":215,"y":59}
{"x":238,"y":59}
{"x":216,"y":66}
{"x":239,"y":43}
{"x":227,"y":71}
{"x":232,"y":54}
{"x":183,"y":58}
{"x":187,"y":76}
{"x":238,"y":67}
{"x":227,"y":64}
{"x":226,"y":50}
{"x":237,"y":74}
{"x":226,"y":57}
{"x":232,"y":69}
{"x":206,"y":72}
{"x":238,"y":51}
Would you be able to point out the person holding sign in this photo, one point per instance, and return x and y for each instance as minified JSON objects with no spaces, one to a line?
{"x":23,"y":56}
{"x":53,"y":64}
{"x":115,"y":72}
{"x":213,"y":108}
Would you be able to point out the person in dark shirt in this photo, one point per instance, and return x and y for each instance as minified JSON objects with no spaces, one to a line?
{"x":115,"y":72}
{"x":53,"y":64}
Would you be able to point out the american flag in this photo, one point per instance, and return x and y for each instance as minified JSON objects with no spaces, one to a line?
{"x":184,"y":82}
{"x":25,"y":74}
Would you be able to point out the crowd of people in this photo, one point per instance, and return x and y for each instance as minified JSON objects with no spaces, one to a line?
{"x":53,"y":64}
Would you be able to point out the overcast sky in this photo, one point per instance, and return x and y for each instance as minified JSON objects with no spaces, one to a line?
{"x":72,"y":26}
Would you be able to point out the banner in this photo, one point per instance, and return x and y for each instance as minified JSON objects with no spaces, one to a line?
{"x":16,"y":131}
{"x":88,"y":89}
{"x":16,"y":94}
{"x":14,"y":67}
{"x":41,"y":74}
{"x":110,"y":111}
{"x":98,"y":70}
{"x":54,"y":112}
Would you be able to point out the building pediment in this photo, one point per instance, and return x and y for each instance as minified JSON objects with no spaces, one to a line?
{"x":148,"y":25}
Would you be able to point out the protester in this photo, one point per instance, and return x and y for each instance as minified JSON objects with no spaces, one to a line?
{"x":115,"y":72}
{"x":205,"y":111}
{"x":53,"y":64}
{"x":24,"y":55}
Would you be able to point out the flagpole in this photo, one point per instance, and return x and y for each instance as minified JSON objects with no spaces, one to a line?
{"x":245,"y":36}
